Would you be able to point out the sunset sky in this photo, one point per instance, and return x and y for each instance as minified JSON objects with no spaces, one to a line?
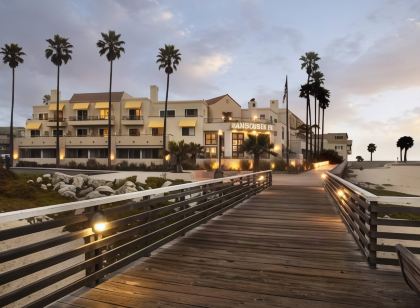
{"x":370,"y":55}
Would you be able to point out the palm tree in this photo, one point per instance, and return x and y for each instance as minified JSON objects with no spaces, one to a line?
{"x":195,"y":150}
{"x":168,"y":59}
{"x":12,"y":55}
{"x":111,"y":46}
{"x":371,"y":148}
{"x":400,"y":144}
{"x":359,"y":158}
{"x":407,"y":143}
{"x":318,"y":81}
{"x":178,"y":152}
{"x":256,"y":146}
{"x":46,"y":99}
{"x":59,"y":50}
{"x":309,"y":63}
{"x":324,"y":103}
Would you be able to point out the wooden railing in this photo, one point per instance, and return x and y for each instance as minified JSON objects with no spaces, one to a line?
{"x":377,"y":223}
{"x":77,"y":244}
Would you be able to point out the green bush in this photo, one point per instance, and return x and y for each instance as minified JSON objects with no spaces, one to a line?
{"x":72,"y":164}
{"x":179,"y":182}
{"x":132,"y":178}
{"x":122,"y":165}
{"x":245,"y":164}
{"x":27,"y":164}
{"x":94,"y":165}
{"x":155,"y":182}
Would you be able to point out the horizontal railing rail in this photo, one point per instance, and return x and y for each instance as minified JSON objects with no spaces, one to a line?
{"x":132,"y":117}
{"x":89,"y":118}
{"x":54,"y":250}
{"x":377,"y":223}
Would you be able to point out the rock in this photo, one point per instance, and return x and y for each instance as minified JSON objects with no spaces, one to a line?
{"x":47,"y":176}
{"x":69,"y":194}
{"x":64,"y":188}
{"x":78,"y":181}
{"x":58,"y":185}
{"x":140,"y":187}
{"x":44,"y":187}
{"x":49,"y":185}
{"x":106,"y":190}
{"x":127,"y":188}
{"x":61,"y":177}
{"x":109,"y":184}
{"x":93,"y":194}
{"x":39,"y":179}
{"x":166,"y":184}
{"x":84,"y":192}
{"x":95,"y":183}
{"x":29,"y":182}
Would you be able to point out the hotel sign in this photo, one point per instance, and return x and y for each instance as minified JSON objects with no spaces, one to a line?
{"x":251,"y":126}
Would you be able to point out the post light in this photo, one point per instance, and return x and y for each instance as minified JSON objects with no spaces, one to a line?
{"x":323,"y":176}
{"x":293,"y":163}
{"x":341,"y":194}
{"x":167,"y":157}
{"x":261,"y":178}
{"x":98,"y":222}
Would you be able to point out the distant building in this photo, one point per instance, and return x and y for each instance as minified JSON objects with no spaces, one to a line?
{"x":338,"y":142}
{"x":5,"y":139}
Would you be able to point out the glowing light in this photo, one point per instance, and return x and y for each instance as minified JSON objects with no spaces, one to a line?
{"x":273,"y":165}
{"x":215,"y":165}
{"x":99,"y":227}
{"x":220,"y":132}
{"x":167,"y":157}
{"x":261,"y":178}
{"x":62,"y":156}
{"x":341,"y":194}
{"x":320,"y":164}
{"x":112,"y":156}
{"x":255,"y":118}
{"x":323,"y":176}
{"x":277,"y":148}
{"x":230,"y":118}
{"x":293,"y":163}
{"x":15,"y":155}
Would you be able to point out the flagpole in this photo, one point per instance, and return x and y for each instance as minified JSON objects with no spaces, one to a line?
{"x":287,"y":123}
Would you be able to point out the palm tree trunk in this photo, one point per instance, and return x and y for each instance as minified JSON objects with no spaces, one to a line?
{"x":256,"y":162}
{"x":109,"y":117}
{"x":400,"y":154}
{"x":307,"y":112}
{"x":319,"y":125}
{"x":11,"y":119}
{"x":57,"y":128}
{"x":164,"y":123}
{"x":310,"y":133}
{"x":371,"y":156}
{"x":322,"y":137}
{"x":316,"y":136}
{"x":405,"y":155}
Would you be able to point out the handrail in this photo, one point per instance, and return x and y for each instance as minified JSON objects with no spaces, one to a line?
{"x":132,"y":225}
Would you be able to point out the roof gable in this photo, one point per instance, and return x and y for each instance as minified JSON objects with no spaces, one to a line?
{"x":215,"y":100}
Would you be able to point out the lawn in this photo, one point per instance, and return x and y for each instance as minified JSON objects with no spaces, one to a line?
{"x":16,"y":194}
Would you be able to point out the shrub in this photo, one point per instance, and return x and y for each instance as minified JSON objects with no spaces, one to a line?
{"x":155,"y":182}
{"x":122,"y":165}
{"x":207,"y":165}
{"x":132,"y":166}
{"x":27,"y":164}
{"x":132,"y":178}
{"x":1,"y":162}
{"x":280,"y":165}
{"x":93,"y":164}
{"x":72,"y":164}
{"x":178,"y":182}
{"x":189,"y":165}
{"x":330,"y":155}
{"x":245,"y":164}
{"x":142,"y":166}
{"x":264,"y":165}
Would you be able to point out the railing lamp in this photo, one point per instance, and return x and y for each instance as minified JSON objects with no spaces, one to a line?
{"x":323,"y":176}
{"x":98,"y":222}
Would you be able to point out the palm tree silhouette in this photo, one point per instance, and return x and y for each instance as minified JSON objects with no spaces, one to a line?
{"x":405,"y":143}
{"x":112,"y":47}
{"x":168,"y":59}
{"x":324,"y":103}
{"x":371,"y":148}
{"x":256,"y":146}
{"x":12,"y":55}
{"x":309,"y":63}
{"x":318,"y":81}
{"x":359,"y":158}
{"x":59,"y":50}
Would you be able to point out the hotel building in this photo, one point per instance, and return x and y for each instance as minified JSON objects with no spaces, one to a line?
{"x":137,"y":128}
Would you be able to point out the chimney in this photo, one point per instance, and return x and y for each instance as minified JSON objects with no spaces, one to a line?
{"x":274,"y":104}
{"x":54,"y":96}
{"x":154,"y":93}
{"x":252,"y":103}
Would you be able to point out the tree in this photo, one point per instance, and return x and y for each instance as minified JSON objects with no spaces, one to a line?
{"x":111,"y":46}
{"x":318,"y":81}
{"x":359,"y":158}
{"x":405,"y":143}
{"x":59,"y":50}
{"x":178,"y":152}
{"x":256,"y":146}
{"x":12,"y":55}
{"x":46,"y":99}
{"x":371,"y":148}
{"x":309,"y":63}
{"x":324,"y":103}
{"x":168,"y":59}
{"x":195,"y":150}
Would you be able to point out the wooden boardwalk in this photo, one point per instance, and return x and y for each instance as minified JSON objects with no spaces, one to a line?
{"x":286,"y":247}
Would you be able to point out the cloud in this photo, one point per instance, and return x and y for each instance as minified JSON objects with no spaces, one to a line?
{"x":208,"y":65}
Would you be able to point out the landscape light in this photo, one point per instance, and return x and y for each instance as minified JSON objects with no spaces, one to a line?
{"x":99,"y":223}
{"x":340,"y":193}
{"x":261,"y":178}
{"x":323,"y":176}
{"x":167,"y":157}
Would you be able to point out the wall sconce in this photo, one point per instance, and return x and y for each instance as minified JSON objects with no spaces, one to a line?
{"x":62,"y":156}
{"x":273,"y":166}
{"x":220,"y":132}
{"x":15,"y":155}
{"x":112,"y":156}
{"x":98,"y":222}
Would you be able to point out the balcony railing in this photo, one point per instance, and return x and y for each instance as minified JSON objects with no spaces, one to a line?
{"x":89,"y":118}
{"x":55,"y":120}
{"x":133,"y":118}
{"x":233,"y":119}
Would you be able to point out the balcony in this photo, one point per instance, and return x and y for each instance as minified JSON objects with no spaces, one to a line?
{"x":53,"y":122}
{"x":233,"y":119}
{"x":132,"y":120}
{"x":89,"y":120}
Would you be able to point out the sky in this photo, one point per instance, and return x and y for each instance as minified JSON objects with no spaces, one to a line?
{"x":369,"y":54}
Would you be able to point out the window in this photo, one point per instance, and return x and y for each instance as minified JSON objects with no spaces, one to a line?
{"x":188,"y":131}
{"x":271,"y":119}
{"x":210,"y":138}
{"x":77,"y":153}
{"x":227,"y":116}
{"x":282,"y":133}
{"x":191,"y":112}
{"x":103,"y":114}
{"x":157,"y":131}
{"x":60,"y":132}
{"x":134,"y":132}
{"x":210,"y":152}
{"x":134,"y":114}
{"x":35,"y":133}
{"x":237,"y":141}
{"x":103,"y":132}
{"x":98,"y":153}
{"x":275,"y":120}
{"x":82,"y":115}
{"x":30,"y":153}
{"x":339,"y":137}
{"x":253,"y":105}
{"x":170,"y":113}
{"x":339,"y":147}
{"x":60,"y":115}
{"x":262,"y":116}
{"x":48,"y":153}
{"x":275,"y":133}
{"x":82,"y":132}
{"x":43,"y":116}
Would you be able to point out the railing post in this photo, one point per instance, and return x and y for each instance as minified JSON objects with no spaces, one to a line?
{"x":373,"y":229}
{"x":270,"y":179}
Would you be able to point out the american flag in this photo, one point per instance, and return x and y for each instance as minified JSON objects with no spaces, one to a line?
{"x":285,"y":91}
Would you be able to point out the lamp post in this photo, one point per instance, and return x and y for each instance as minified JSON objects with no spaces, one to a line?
{"x":218,"y":173}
